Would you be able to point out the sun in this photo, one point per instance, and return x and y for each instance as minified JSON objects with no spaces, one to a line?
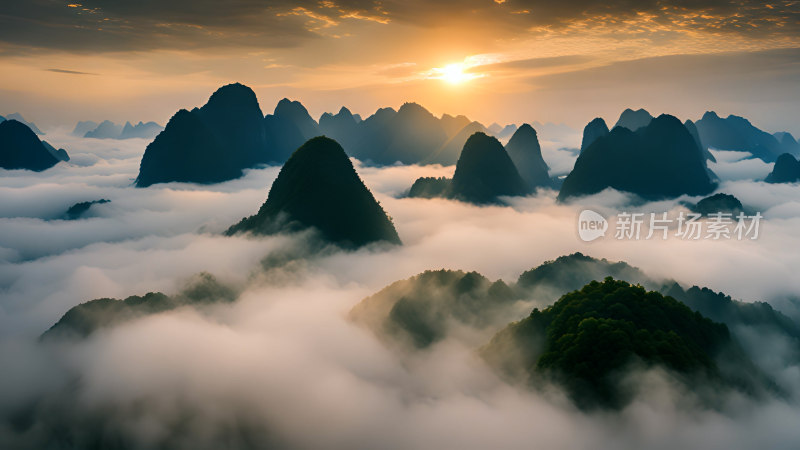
{"x":454,"y":73}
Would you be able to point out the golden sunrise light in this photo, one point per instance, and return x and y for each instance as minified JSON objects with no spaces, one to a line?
{"x":404,"y":224}
{"x":455,"y":73}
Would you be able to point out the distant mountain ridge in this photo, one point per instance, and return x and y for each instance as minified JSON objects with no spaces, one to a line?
{"x":110,"y":130}
{"x":634,"y":120}
{"x":18,"y":117}
{"x":738,"y":134}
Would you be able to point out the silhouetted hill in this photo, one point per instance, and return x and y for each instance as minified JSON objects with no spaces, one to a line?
{"x":633,"y":120}
{"x":20,"y":148}
{"x":210,"y":144}
{"x":788,"y":143}
{"x":451,"y":149}
{"x":414,"y":135}
{"x":287,"y":128}
{"x":507,"y":131}
{"x":524,"y":150}
{"x":77,"y":210}
{"x":692,"y":129}
{"x":410,"y":135}
{"x":59,"y":154}
{"x":233,"y":116}
{"x":318,"y":187}
{"x":785,"y":170}
{"x":374,"y":136}
{"x":485,"y":171}
{"x":106,"y":130}
{"x":453,"y":124}
{"x":592,"y":131}
{"x":297,"y":114}
{"x":567,"y":273}
{"x":660,"y":160}
{"x":589,"y":338}
{"x":341,"y":127}
{"x":84,"y":319}
{"x":421,"y":310}
{"x":430,"y":187}
{"x":18,"y":117}
{"x":722,"y":308}
{"x":738,"y":134}
{"x":141,"y":130}
{"x":109,"y":130}
{"x":719,"y":203}
{"x":186,"y":151}
{"x":83,"y":127}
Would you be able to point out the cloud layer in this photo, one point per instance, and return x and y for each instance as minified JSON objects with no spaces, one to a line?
{"x":283,"y":367}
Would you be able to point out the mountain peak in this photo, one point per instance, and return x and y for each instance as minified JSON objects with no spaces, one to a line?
{"x":662,"y":160}
{"x":524,"y":150}
{"x":235,"y":95}
{"x":633,"y":120}
{"x":413,"y":109}
{"x":484,"y":171}
{"x":319,"y":188}
{"x":592,"y":131}
{"x":290,"y":108}
{"x":20,"y":148}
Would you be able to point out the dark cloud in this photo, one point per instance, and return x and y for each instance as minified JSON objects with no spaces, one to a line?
{"x":71,"y":72}
{"x":118,"y":25}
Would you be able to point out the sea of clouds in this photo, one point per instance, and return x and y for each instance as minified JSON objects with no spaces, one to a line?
{"x":283,"y":367}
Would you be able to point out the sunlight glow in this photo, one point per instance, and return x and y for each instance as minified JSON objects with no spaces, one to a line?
{"x":455,"y":73}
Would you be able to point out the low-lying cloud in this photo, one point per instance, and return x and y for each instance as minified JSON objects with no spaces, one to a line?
{"x":283,"y":367}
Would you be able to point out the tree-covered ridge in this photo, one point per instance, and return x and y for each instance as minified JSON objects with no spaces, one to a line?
{"x":419,"y":310}
{"x":84,"y":319}
{"x":589,"y":337}
{"x":430,"y":187}
{"x":570,"y":272}
{"x":427,"y":306}
{"x":318,"y":187}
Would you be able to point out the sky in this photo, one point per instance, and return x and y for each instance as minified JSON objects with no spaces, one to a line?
{"x":505,"y":61}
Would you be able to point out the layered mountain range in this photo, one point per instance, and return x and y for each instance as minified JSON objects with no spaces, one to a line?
{"x":110,"y":130}
{"x":586,"y":326}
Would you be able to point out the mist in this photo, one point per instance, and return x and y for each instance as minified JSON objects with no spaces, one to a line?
{"x":283,"y":367}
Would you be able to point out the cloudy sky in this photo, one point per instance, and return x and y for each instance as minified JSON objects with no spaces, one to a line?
{"x":494,"y":60}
